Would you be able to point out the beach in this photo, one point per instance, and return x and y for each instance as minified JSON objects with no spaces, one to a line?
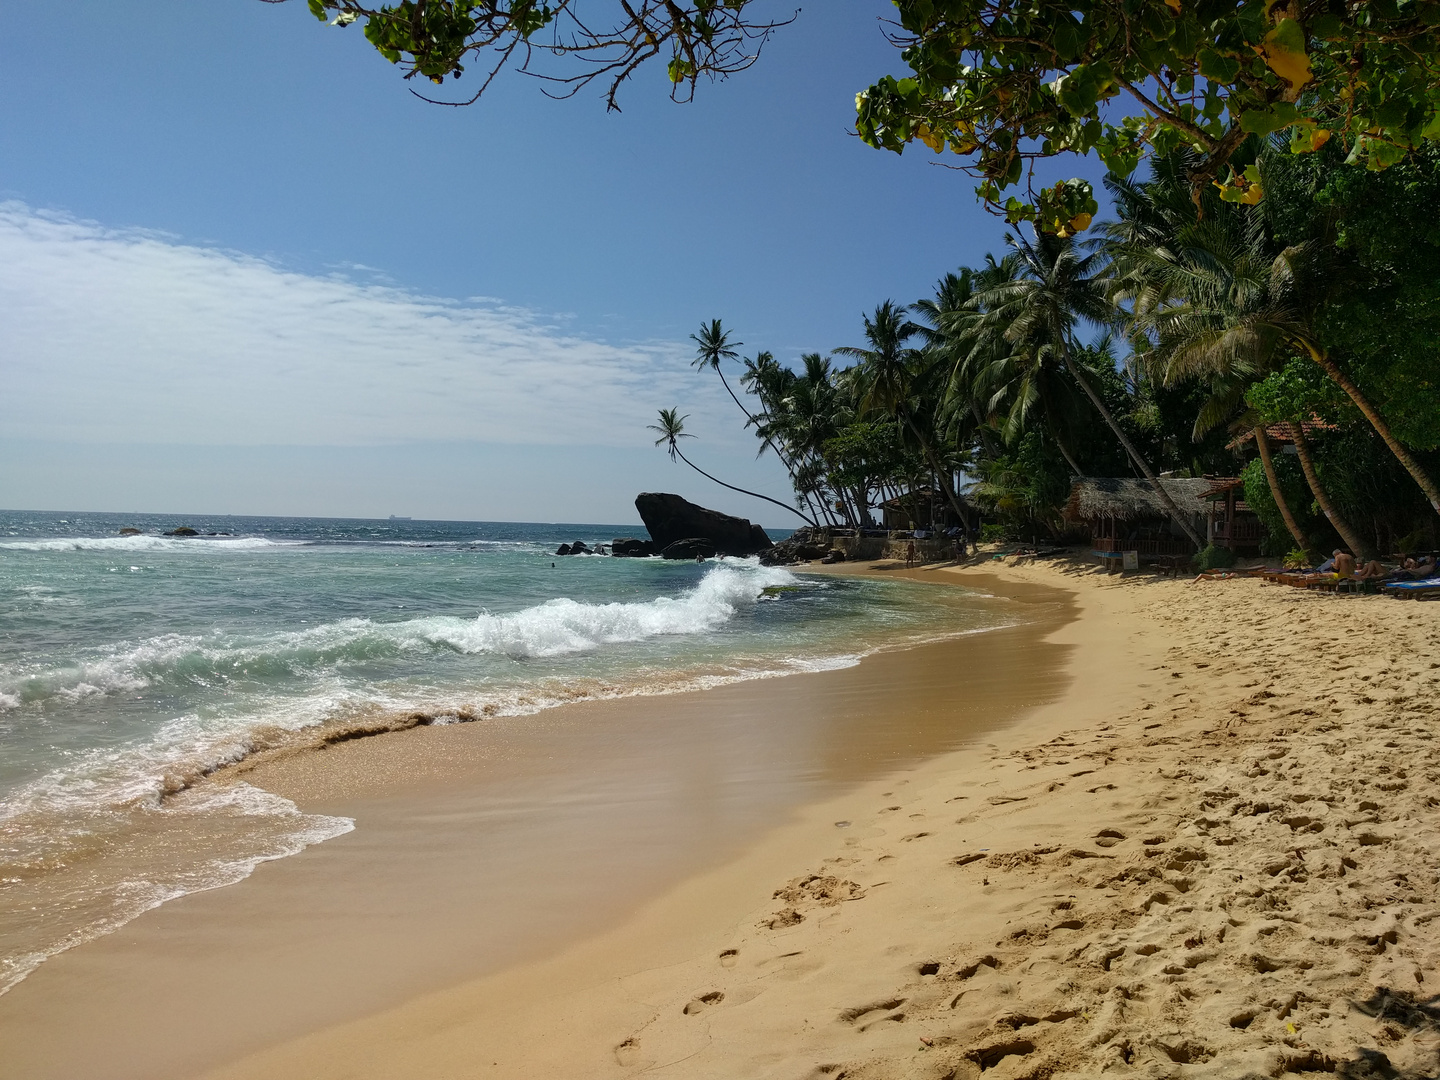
{"x":1194,"y":836}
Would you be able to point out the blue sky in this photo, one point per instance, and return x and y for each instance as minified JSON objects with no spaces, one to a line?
{"x":245,"y":270}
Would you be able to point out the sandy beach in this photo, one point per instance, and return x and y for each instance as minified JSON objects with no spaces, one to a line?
{"x":1190,"y":832}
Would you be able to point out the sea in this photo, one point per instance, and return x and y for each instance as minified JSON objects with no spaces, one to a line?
{"x":137,"y":670}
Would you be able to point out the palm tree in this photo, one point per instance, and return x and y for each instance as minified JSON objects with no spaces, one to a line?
{"x":712,"y":345}
{"x":891,"y":369}
{"x":672,"y":429}
{"x":1281,"y":311}
{"x":1059,"y":285}
{"x":1205,"y":300}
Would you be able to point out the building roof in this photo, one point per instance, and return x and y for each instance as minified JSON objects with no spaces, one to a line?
{"x":1280,"y":433}
{"x":1128,"y":498}
{"x":1221,"y":485}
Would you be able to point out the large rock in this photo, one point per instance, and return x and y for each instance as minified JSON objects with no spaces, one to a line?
{"x":670,"y":518}
{"x":692,"y":547}
{"x":630,"y":547}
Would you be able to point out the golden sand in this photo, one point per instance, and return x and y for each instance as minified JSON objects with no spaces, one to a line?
{"x":1215,"y":855}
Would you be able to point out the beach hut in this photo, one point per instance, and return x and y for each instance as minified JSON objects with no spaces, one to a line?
{"x":1126,"y":514}
{"x":1230,"y":523}
{"x":919,"y":508}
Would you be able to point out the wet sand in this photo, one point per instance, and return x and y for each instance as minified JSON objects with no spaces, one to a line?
{"x":501,"y":846}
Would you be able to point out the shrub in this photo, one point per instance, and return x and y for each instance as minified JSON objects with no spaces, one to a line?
{"x":1214,"y":558}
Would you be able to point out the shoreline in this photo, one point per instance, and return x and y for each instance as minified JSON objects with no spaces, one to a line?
{"x":1213,"y":855}
{"x":210,"y":954}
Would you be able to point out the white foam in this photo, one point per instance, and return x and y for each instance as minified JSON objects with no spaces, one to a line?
{"x":559,"y":627}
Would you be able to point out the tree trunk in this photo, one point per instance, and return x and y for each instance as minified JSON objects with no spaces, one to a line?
{"x":1066,"y":455}
{"x":1307,"y":463}
{"x":1180,"y":519}
{"x":950,"y":495}
{"x":742,"y":491}
{"x":1377,"y":421}
{"x":1263,"y":445}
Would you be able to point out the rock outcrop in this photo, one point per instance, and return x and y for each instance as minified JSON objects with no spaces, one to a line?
{"x":183,"y":530}
{"x":577,"y":548}
{"x":692,"y":547}
{"x":670,"y":518}
{"x":804,"y":545}
{"x":630,"y":547}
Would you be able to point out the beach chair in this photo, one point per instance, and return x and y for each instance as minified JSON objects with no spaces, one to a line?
{"x":1425,"y":589}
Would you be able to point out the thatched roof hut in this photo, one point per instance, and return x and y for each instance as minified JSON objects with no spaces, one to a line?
{"x":1123,"y":498}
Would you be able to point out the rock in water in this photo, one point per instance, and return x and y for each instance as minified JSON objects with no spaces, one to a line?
{"x":183,"y":530}
{"x":805,"y":545}
{"x":629,"y":546}
{"x":563,"y":549}
{"x":129,"y":530}
{"x":692,"y":547}
{"x":670,"y":518}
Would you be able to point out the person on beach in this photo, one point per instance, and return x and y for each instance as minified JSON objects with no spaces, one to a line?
{"x":1419,"y":569}
{"x":1371,"y":571}
{"x":1344,"y":564}
{"x":910,"y":554}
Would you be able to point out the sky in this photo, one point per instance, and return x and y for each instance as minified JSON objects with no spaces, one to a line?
{"x":244,"y":270}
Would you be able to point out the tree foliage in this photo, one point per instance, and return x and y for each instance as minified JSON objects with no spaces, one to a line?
{"x":1003,"y":85}
{"x":436,"y":39}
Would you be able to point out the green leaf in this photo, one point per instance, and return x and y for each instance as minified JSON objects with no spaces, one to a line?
{"x":1264,"y":121}
{"x":1217,"y":68}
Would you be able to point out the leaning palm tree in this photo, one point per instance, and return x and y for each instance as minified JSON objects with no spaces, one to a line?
{"x":672,"y":429}
{"x":1059,"y":286}
{"x":712,"y":345}
{"x":1210,"y":301}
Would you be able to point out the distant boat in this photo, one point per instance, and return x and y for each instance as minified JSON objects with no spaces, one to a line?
{"x":397,"y":517}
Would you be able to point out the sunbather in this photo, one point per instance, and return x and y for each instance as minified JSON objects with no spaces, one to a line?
{"x":1344,"y":564}
{"x":1371,"y":571}
{"x":1419,"y":569}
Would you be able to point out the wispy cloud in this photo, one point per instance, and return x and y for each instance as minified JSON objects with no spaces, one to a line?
{"x":113,"y":336}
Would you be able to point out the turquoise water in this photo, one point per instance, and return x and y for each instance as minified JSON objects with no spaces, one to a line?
{"x":132,"y":668}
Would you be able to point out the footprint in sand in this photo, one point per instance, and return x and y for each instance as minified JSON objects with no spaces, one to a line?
{"x":628,"y":1052}
{"x":703,"y":1002}
{"x":729,"y":958}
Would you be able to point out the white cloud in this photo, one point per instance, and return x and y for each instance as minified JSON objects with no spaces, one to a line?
{"x":113,"y":336}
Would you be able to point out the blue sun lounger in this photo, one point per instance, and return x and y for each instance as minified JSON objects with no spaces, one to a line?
{"x":1425,"y":589}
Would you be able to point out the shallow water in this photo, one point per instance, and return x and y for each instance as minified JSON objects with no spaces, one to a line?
{"x":133,"y":667}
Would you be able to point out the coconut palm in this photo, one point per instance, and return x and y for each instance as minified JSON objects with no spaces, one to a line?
{"x":1058,"y":286}
{"x":672,"y":429}
{"x":891,"y":370}
{"x":712,"y":345}
{"x":1207,"y":300}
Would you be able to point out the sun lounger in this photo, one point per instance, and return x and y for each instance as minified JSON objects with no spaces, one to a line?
{"x":1427,"y":589}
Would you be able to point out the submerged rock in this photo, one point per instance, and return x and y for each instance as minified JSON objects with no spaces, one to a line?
{"x":129,"y":530}
{"x":670,"y":518}
{"x":183,"y":530}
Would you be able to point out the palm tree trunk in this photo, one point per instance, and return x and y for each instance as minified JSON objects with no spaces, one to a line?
{"x":1413,"y":467}
{"x":1307,"y":464}
{"x":742,"y":491}
{"x":1263,"y":445}
{"x":1140,"y":463}
{"x":940,"y":479}
{"x":1065,"y":453}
